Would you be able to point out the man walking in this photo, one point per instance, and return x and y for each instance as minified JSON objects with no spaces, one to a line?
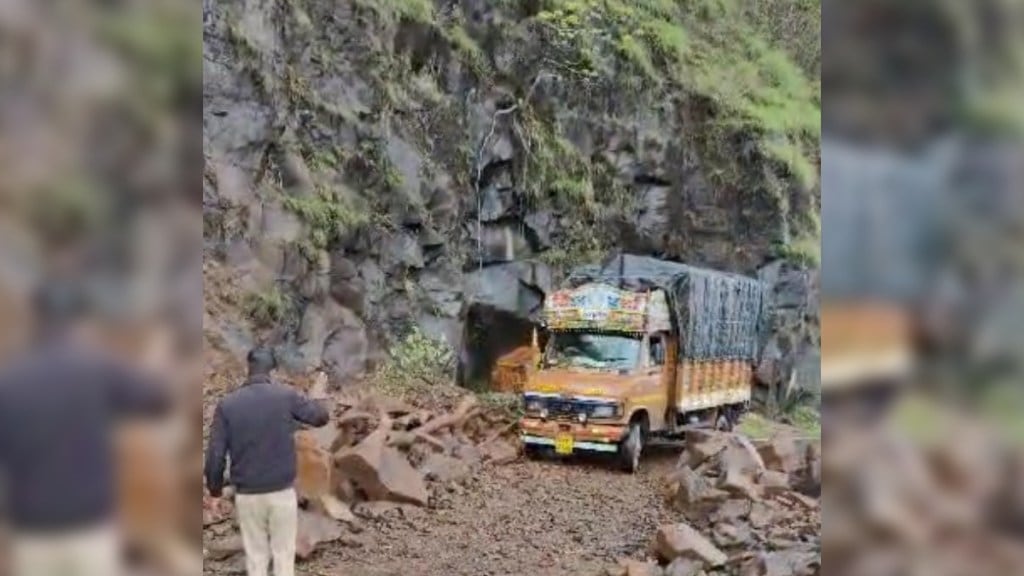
{"x":254,"y":426}
{"x":59,"y":406}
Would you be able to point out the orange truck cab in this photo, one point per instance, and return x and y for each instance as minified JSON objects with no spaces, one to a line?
{"x":641,"y":347}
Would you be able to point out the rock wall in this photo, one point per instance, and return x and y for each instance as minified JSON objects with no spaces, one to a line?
{"x":375,"y":165}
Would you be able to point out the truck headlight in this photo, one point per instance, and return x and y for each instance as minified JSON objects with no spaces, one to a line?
{"x":533,"y":405}
{"x":604,"y":411}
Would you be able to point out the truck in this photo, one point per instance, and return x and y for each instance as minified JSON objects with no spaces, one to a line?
{"x":637,"y":348}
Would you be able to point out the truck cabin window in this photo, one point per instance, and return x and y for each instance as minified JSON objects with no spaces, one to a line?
{"x":657,"y":351}
{"x":593,"y":351}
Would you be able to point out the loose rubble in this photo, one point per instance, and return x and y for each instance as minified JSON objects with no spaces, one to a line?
{"x":745,"y":508}
{"x":377,"y":457}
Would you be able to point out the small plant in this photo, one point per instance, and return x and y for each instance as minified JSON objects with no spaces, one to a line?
{"x":804,"y":252}
{"x":327,"y":216}
{"x":417,"y":360}
{"x":799,"y":407}
{"x":265,"y":309}
{"x":508,"y":403}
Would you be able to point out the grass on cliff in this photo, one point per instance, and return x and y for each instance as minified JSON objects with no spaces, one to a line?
{"x":713,"y":49}
{"x":327,"y":216}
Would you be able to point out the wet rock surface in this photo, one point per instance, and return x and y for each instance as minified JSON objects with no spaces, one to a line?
{"x":427,"y":178}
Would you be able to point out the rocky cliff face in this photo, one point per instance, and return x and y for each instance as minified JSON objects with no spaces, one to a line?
{"x":374,"y":165}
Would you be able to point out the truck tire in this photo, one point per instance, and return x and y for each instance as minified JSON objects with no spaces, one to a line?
{"x":631,"y":448}
{"x":723,"y":423}
{"x":532,"y":452}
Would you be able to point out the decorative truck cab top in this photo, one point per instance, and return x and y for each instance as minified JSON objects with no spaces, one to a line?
{"x":600,"y":307}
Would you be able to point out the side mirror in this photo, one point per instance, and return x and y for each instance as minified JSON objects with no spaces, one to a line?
{"x":658,"y":352}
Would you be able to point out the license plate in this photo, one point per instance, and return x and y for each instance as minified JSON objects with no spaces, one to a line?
{"x":563,"y":444}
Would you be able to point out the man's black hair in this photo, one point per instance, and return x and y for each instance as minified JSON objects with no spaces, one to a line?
{"x":261,"y":360}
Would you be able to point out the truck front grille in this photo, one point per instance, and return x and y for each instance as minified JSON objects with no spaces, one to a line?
{"x":564,"y":408}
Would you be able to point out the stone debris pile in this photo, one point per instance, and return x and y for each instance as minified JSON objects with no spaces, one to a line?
{"x":745,"y":508}
{"x":948,"y":503}
{"x":377,"y":456}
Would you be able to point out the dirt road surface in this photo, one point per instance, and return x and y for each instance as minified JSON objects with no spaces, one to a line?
{"x":529,"y":517}
{"x":542,"y":518}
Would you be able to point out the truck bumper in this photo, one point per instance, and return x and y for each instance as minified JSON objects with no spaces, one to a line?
{"x":586,"y":437}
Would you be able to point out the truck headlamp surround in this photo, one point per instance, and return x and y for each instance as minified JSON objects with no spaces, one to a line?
{"x":533,"y":405}
{"x":604,"y":411}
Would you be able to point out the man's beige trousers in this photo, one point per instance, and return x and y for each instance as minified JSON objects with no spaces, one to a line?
{"x":269,"y":525}
{"x":92,"y":552}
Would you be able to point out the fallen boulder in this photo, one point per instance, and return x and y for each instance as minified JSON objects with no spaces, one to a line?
{"x":739,"y":465}
{"x":774,"y":482}
{"x":687,"y":489}
{"x":783,"y":563}
{"x":702,"y":445}
{"x":443,"y":468}
{"x":314,"y":529}
{"x":313,"y":466}
{"x":336,"y":509}
{"x":638,"y":568}
{"x":681,"y":540}
{"x":499,"y":452}
{"x":684,"y":567}
{"x":224,"y":547}
{"x":784,"y":453}
{"x":382,"y":472}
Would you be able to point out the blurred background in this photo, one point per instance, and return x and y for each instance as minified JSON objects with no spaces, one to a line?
{"x":100,"y":171}
{"x":923,"y":338}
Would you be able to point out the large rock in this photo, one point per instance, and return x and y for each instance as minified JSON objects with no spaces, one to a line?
{"x":783,"y":563}
{"x":313,"y":466}
{"x":687,"y":489}
{"x":444,"y":468}
{"x":684,"y":567}
{"x":499,"y":452}
{"x":402,"y":251}
{"x":680,"y":540}
{"x":382,"y":472}
{"x":638,"y":568}
{"x":333,"y":337}
{"x":224,"y":547}
{"x":346,"y":350}
{"x":517,"y":288}
{"x":784,"y":453}
{"x":702,"y":445}
{"x":406,"y":160}
{"x":773,"y":482}
{"x":739,"y":467}
{"x":314,"y":529}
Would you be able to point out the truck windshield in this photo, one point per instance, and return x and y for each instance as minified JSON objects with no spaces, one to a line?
{"x":598,"y":351}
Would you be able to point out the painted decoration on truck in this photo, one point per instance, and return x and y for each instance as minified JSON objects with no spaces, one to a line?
{"x":603,"y":307}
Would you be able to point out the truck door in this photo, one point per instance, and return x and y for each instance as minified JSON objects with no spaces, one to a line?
{"x":659,"y":367}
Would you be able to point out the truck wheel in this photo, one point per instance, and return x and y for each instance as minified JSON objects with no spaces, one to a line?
{"x":532,"y":452}
{"x":726,"y":419}
{"x":631,"y":447}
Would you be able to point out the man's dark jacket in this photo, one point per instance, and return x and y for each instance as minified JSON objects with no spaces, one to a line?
{"x":255,"y":426}
{"x":58,"y":409}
